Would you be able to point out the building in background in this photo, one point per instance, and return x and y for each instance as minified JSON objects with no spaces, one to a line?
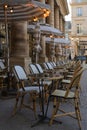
{"x":67,"y":29}
{"x":79,"y":26}
{"x":70,"y":49}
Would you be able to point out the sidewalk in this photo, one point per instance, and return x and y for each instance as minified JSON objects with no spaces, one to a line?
{"x":24,"y":118}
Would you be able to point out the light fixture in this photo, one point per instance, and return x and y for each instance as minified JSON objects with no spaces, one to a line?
{"x":51,"y":36}
{"x":46,"y":13}
{"x":44,"y":10}
{"x":35,"y":19}
{"x":5,"y":6}
{"x":11,"y":10}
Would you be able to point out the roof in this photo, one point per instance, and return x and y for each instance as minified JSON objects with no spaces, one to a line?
{"x":57,"y":40}
{"x":22,"y":9}
{"x":45,"y":29}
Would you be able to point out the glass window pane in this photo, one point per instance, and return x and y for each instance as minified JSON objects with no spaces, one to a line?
{"x":79,"y":11}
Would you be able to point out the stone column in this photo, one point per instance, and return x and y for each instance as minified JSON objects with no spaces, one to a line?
{"x":51,"y":56}
{"x":61,"y":23}
{"x":43,"y":19}
{"x":60,"y":52}
{"x":43,"y":57}
{"x":56,"y":17}
{"x":50,"y":19}
{"x":19,"y":46}
{"x":63,"y":50}
{"x":36,"y":44}
{"x":57,"y":51}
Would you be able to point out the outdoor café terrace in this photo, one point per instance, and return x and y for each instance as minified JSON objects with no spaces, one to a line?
{"x":25,"y":118}
{"x":40,"y":86}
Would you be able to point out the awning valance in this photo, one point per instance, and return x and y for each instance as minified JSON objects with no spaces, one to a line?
{"x":58,"y":40}
{"x":45,"y":29}
{"x":22,"y":9}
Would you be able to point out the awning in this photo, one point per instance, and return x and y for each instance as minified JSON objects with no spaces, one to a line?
{"x":45,"y":29}
{"x":57,"y":40}
{"x":22,"y":9}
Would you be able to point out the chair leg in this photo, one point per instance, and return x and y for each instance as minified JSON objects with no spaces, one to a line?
{"x":33,"y":97}
{"x":22,"y":100}
{"x":40,"y":104}
{"x":46,"y":93}
{"x":77,"y":105}
{"x":55,"y":109}
{"x":77,"y":111}
{"x":34,"y":107}
{"x":15,"y":107}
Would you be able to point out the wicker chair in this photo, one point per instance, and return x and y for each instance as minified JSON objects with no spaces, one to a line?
{"x":3,"y":74}
{"x":21,"y":77}
{"x":37,"y":70}
{"x":72,"y":93}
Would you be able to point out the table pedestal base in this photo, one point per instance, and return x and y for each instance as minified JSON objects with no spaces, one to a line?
{"x":44,"y":119}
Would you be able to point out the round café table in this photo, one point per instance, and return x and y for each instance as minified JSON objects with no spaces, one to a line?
{"x":53,"y":78}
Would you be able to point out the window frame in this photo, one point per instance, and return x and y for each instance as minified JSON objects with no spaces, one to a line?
{"x":79,"y":28}
{"x":79,"y":11}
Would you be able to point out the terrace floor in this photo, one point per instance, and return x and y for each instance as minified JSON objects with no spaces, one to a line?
{"x":25,"y":118}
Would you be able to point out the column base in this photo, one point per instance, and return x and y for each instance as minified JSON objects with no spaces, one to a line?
{"x":23,"y":61}
{"x":43,"y":59}
{"x":27,"y":62}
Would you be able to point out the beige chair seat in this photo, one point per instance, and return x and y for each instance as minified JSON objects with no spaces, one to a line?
{"x":66,"y":81}
{"x":30,"y":88}
{"x":69,"y":76}
{"x":61,"y":93}
{"x":46,"y":82}
{"x":71,"y":72}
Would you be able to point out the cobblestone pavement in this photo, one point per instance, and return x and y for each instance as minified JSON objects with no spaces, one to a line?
{"x":24,"y":118}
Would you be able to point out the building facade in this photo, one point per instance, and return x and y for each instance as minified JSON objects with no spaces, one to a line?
{"x":79,"y":28}
{"x":56,"y":19}
{"x":20,"y":42}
